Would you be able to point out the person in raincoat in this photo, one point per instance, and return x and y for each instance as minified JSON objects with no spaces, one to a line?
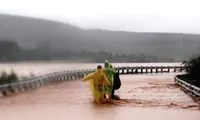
{"x":109,"y":72}
{"x":97,"y":80}
{"x":116,"y":84}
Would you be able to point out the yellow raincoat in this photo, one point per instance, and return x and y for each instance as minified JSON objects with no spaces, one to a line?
{"x":97,"y":80}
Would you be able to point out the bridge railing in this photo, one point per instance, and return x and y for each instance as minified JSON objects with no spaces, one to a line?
{"x":193,"y":89}
{"x":58,"y":76}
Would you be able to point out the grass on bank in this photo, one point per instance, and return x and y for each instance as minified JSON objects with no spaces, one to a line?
{"x":6,"y":78}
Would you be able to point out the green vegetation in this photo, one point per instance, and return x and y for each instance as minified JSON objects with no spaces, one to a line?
{"x":6,"y":78}
{"x":40,"y":39}
{"x":189,"y":79}
{"x":10,"y":51}
{"x":192,"y":67}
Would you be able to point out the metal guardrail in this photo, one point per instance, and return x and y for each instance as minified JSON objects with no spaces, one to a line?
{"x":54,"y":77}
{"x":193,"y":89}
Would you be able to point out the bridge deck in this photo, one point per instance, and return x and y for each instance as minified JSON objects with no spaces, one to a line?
{"x":71,"y":99}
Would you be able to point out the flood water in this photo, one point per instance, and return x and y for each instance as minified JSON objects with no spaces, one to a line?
{"x":25,"y":68}
{"x":143,"y":97}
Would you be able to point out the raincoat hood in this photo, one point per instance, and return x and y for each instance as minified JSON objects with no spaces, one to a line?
{"x":106,"y":64}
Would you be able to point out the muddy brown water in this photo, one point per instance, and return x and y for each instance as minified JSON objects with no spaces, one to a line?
{"x":143,"y":97}
{"x":25,"y":68}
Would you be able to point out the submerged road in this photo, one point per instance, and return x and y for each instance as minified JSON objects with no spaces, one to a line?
{"x":142,"y":98}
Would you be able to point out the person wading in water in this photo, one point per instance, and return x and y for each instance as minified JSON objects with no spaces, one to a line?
{"x":116,"y":86}
{"x":109,"y":72}
{"x":97,"y":80}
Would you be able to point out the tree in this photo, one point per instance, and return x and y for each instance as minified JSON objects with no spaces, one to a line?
{"x":192,"y":67}
{"x":9,"y":50}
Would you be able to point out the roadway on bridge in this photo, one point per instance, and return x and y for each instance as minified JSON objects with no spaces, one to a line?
{"x":143,"y":98}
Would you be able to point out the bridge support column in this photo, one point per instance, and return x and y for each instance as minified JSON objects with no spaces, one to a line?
{"x":156,"y":70}
{"x":132,"y":70}
{"x":128,"y":72}
{"x":122,"y":71}
{"x":141,"y":70}
{"x":136,"y":71}
{"x":174,"y":69}
{"x":168,"y":69}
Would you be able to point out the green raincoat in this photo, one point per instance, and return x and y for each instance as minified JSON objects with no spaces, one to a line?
{"x":109,"y":72}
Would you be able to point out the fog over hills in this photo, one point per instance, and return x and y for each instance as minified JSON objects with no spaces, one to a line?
{"x":34,"y":32}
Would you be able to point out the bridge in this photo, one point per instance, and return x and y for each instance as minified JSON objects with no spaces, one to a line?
{"x":50,"y":78}
{"x":48,"y":93}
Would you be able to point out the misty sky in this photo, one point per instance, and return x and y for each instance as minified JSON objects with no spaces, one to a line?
{"x":130,"y":15}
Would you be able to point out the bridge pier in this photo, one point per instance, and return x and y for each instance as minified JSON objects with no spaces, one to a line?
{"x":68,"y":77}
{"x":146,"y":70}
{"x":128,"y":71}
{"x":168,"y":69}
{"x":132,"y":70}
{"x":141,"y":70}
{"x":136,"y":71}
{"x":156,"y":70}
{"x":122,"y":72}
{"x":174,"y":69}
{"x":57,"y":80}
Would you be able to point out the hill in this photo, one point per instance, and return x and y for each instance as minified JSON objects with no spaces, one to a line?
{"x":37,"y":33}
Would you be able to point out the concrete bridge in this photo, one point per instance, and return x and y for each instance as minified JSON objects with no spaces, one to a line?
{"x":149,"y":69}
{"x":50,"y":78}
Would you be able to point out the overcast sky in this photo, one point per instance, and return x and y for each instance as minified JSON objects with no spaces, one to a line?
{"x":130,"y":15}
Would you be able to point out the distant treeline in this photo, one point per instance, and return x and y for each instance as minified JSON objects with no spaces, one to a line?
{"x":10,"y":51}
{"x":40,"y":39}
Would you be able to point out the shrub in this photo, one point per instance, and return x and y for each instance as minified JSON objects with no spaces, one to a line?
{"x":6,"y":78}
{"x":192,"y":67}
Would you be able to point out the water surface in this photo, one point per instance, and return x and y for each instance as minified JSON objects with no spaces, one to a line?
{"x":143,"y":97}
